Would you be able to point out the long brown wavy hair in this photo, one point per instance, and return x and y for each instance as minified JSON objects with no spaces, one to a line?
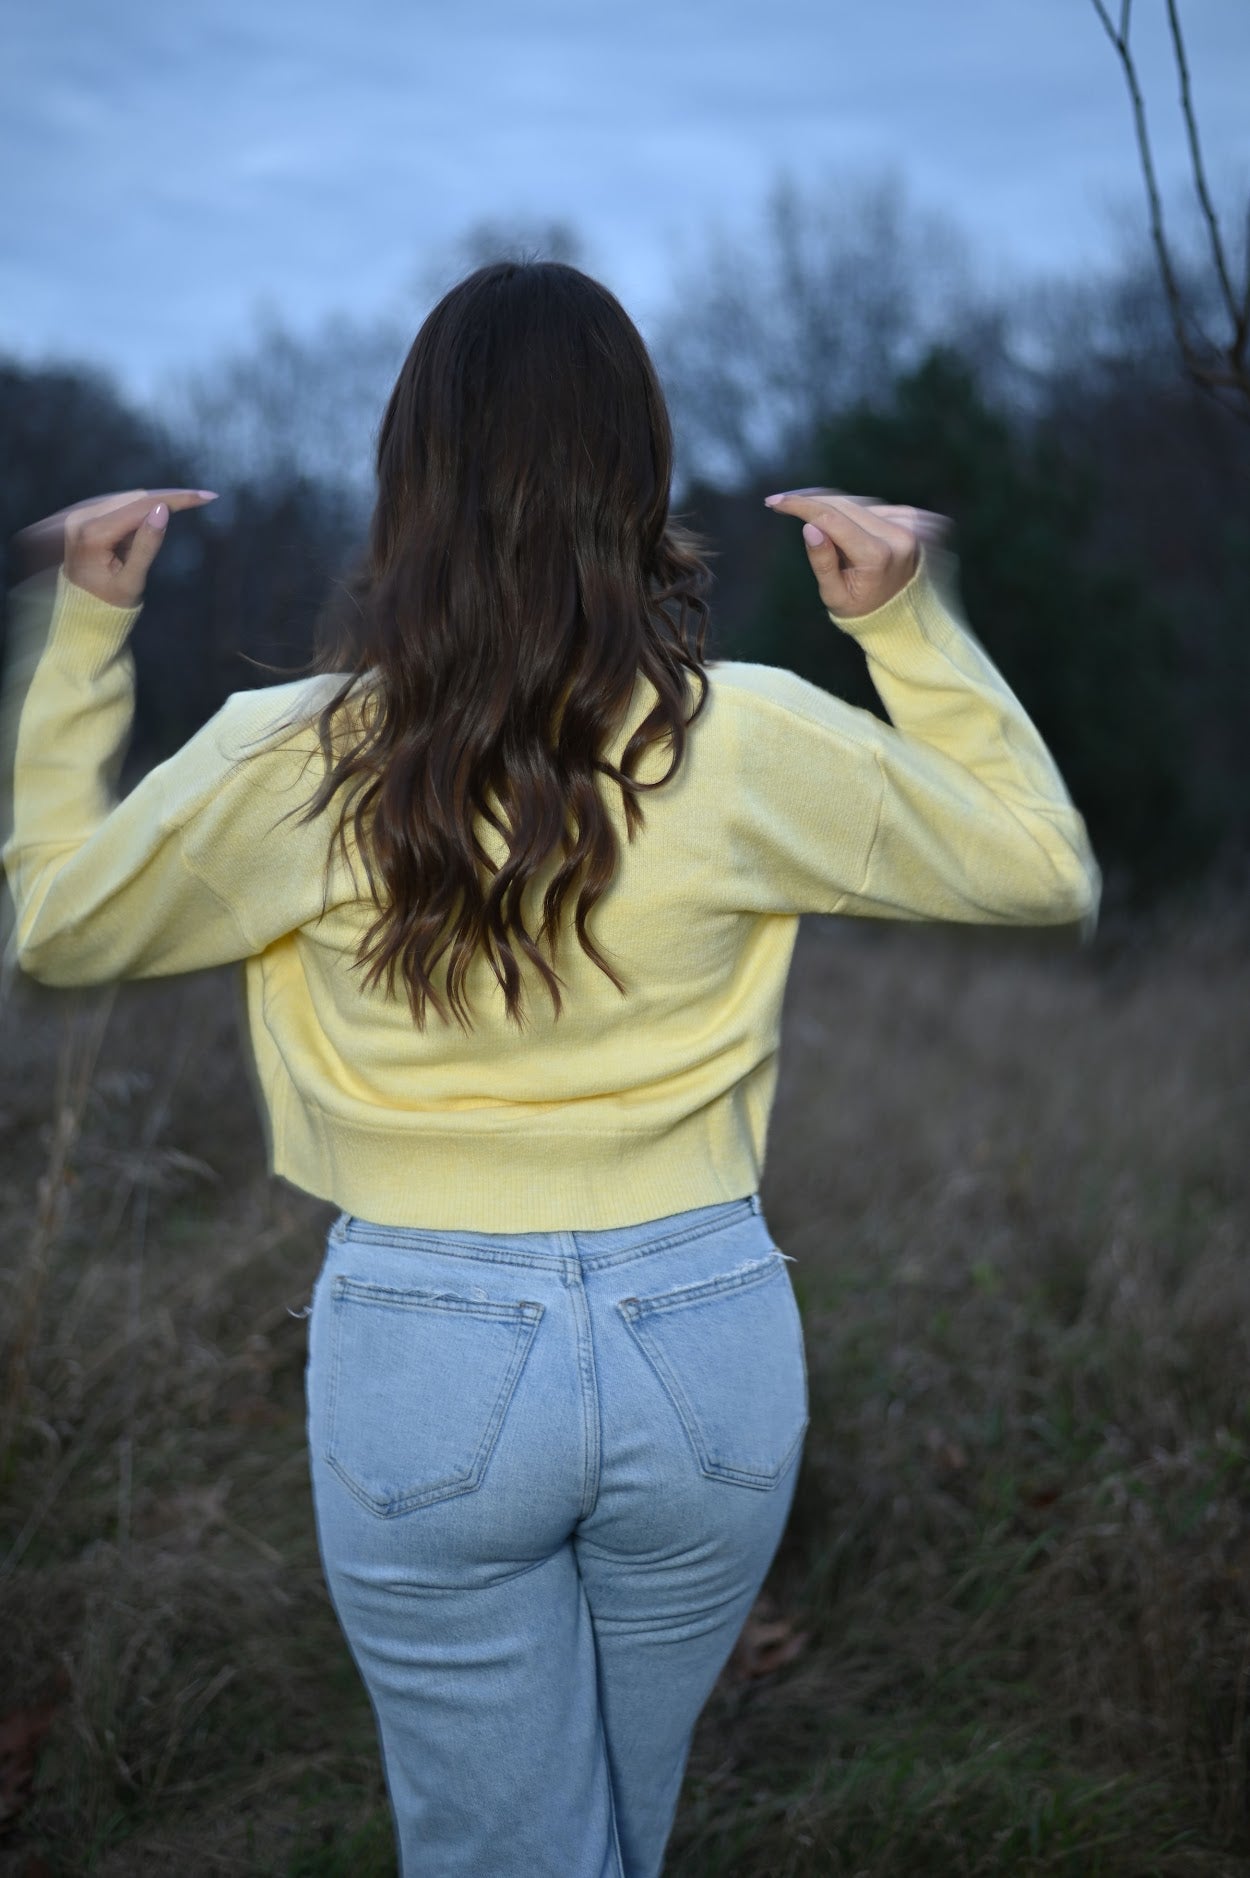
{"x":521,"y":570}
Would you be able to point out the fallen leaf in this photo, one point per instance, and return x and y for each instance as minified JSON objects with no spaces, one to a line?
{"x":766,"y":1644}
{"x":22,"y":1734}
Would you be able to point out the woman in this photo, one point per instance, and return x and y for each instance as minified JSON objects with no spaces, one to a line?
{"x":557,"y":1392}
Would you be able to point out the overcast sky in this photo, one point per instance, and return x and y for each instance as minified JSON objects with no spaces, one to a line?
{"x":173,"y":171}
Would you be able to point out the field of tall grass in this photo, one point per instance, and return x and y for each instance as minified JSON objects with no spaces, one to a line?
{"x":1008,"y":1629}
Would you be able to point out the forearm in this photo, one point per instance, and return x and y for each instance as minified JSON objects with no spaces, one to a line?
{"x":943,"y":692}
{"x":66,"y":715}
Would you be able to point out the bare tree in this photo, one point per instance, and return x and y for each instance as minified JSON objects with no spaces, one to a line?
{"x":291,"y":404}
{"x":1215,"y":367}
{"x":843,"y":285}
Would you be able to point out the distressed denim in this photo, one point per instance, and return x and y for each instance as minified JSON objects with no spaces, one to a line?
{"x":550,"y":1472}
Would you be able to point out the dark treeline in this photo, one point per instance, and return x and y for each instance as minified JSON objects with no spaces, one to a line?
{"x":245,"y":585}
{"x":1101,"y":504}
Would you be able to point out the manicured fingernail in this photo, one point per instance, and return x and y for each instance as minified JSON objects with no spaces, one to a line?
{"x":158,"y":516}
{"x":812,"y":535}
{"x":769,"y":500}
{"x":207,"y":495}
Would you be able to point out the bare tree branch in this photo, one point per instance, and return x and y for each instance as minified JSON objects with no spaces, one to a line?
{"x":1221,"y":369}
{"x":1199,"y":176}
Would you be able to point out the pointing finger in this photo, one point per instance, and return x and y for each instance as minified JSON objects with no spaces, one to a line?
{"x":109,"y":525}
{"x":816,"y":489}
{"x":865,"y":537}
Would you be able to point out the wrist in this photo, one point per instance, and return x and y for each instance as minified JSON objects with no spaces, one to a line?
{"x":80,"y":583}
{"x":905,"y":588}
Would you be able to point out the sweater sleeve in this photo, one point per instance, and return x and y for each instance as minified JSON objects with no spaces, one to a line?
{"x":955,"y":810}
{"x":183,"y":872}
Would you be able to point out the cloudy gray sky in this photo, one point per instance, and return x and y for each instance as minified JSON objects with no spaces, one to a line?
{"x":175,"y":172}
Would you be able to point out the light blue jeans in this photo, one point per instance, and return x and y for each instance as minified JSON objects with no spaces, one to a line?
{"x":550,"y":1473}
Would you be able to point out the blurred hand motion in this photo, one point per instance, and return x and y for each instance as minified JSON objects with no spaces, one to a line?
{"x":106,"y":544}
{"x":863,"y":552}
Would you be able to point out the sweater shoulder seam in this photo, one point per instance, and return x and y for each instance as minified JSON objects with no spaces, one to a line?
{"x":198,"y":875}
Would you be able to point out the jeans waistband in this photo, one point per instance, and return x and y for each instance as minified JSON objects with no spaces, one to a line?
{"x":601,"y":1245}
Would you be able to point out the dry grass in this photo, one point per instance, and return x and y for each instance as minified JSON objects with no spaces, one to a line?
{"x":1015,"y":1181}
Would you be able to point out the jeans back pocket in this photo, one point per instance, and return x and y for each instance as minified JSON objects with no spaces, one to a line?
{"x":419,"y":1385}
{"x":729,"y":1353}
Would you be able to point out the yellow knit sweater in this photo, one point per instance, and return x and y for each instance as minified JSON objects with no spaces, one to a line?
{"x":789,"y":801}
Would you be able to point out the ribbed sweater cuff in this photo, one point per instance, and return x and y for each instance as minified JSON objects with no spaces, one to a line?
{"x":85,"y":632}
{"x":902,"y":633}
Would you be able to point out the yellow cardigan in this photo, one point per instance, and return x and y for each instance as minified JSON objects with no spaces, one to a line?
{"x":789,"y":801}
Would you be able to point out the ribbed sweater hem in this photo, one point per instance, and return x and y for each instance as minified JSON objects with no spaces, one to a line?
{"x":531,"y":1181}
{"x":87,"y":632}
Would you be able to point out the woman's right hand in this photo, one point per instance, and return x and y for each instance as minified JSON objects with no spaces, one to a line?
{"x":862,"y":552}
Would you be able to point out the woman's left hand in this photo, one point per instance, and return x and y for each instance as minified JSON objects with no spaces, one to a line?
{"x":107,"y":543}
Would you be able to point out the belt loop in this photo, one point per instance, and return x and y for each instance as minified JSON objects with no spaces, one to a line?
{"x":757,"y":1205}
